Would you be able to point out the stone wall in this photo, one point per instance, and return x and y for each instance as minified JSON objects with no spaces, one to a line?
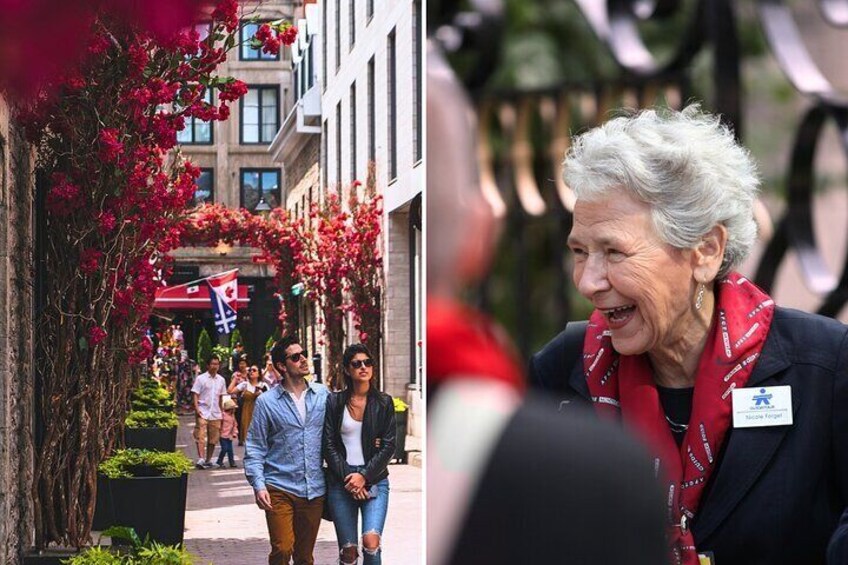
{"x":397,"y":360}
{"x":16,"y":340}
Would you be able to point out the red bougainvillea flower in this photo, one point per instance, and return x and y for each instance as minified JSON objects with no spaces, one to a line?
{"x":96,"y":335}
{"x":64,"y":198}
{"x":90,"y":260}
{"x":110,"y":147}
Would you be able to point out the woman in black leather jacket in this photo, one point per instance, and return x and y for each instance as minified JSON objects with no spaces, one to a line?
{"x":359,"y":442}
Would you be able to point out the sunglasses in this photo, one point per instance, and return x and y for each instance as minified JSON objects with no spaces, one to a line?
{"x":366,"y":362}
{"x":295,"y":357}
{"x":254,"y":370}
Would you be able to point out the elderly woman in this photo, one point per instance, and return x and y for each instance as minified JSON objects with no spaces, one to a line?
{"x":742,"y":404}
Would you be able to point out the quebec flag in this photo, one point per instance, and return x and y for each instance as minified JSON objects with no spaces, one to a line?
{"x":223,"y":291}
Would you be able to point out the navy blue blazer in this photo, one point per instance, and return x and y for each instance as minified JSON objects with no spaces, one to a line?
{"x":778,"y":493}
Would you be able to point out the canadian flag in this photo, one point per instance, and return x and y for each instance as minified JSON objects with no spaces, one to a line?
{"x":225,"y":285}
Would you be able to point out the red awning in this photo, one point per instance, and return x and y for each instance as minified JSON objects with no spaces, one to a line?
{"x":193,"y":296}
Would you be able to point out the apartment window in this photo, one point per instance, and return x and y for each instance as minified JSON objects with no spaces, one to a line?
{"x":260,"y":183}
{"x":324,"y":155}
{"x":369,"y":9}
{"x":248,"y":53}
{"x":196,"y":132}
{"x":324,"y":45}
{"x":416,"y":81}
{"x":392,"y":109}
{"x":260,"y":111}
{"x":204,"y":192}
{"x":338,"y":34}
{"x":372,"y":150}
{"x":351,"y":22}
{"x":339,"y":143}
{"x":352,"y":132}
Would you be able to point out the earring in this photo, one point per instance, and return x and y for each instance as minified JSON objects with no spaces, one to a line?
{"x":699,"y":300}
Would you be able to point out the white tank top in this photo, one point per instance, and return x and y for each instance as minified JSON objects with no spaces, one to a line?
{"x":352,"y":439}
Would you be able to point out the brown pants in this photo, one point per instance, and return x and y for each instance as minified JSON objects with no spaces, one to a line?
{"x":293,"y":527}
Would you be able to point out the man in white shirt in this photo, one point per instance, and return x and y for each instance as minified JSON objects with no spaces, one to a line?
{"x":208,"y":390}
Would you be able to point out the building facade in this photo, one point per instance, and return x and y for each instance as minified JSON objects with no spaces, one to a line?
{"x":16,"y":338}
{"x":356,"y":114}
{"x":237,"y":171}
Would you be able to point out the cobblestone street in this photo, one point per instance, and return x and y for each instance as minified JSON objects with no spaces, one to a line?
{"x":224,"y":526}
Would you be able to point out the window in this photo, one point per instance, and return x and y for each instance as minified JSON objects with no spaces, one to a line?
{"x":372,"y":150}
{"x":416,"y":81}
{"x":339,"y":143}
{"x":248,"y":53}
{"x":204,"y":193}
{"x":351,"y":22}
{"x":352,"y":132}
{"x":324,"y":156}
{"x":260,"y":183}
{"x":196,"y":132}
{"x":260,"y":111}
{"x":392,"y":108}
{"x":338,"y":34}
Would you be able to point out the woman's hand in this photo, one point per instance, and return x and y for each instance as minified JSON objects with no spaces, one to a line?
{"x":354,"y":482}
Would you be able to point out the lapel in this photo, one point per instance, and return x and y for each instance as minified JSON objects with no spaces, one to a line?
{"x":577,"y":381}
{"x":748,"y":450}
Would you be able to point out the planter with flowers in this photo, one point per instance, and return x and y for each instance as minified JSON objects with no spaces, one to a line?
{"x":146,"y":490}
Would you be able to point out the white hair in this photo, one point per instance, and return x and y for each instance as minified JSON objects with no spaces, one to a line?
{"x":685,"y":165}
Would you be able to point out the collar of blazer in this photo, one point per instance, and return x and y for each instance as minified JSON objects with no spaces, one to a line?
{"x":747,"y":451}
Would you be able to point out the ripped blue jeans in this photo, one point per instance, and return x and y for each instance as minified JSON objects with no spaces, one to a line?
{"x":346,"y":510}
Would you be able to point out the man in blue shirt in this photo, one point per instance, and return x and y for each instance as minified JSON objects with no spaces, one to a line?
{"x":282,"y":458}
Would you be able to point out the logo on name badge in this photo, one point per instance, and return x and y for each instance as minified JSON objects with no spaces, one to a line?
{"x":765,"y":406}
{"x":762,"y":399}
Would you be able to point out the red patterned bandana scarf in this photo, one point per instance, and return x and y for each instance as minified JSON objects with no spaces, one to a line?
{"x":623,"y":386}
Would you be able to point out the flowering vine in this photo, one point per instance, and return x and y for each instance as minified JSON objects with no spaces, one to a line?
{"x":115,"y":195}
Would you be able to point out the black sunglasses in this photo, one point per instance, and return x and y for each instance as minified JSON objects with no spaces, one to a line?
{"x":357,"y":364}
{"x":295,"y":357}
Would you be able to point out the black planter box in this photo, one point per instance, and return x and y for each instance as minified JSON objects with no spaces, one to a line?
{"x":401,"y":418}
{"x":50,"y":557}
{"x":150,"y":505}
{"x":157,"y":439}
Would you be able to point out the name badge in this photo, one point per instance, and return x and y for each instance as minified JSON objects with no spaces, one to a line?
{"x":757,"y":407}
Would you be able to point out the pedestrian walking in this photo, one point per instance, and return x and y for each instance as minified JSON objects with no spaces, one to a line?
{"x":239,"y":376}
{"x":248,"y":391}
{"x":207,"y":391}
{"x":359,"y":442}
{"x":229,"y":432}
{"x":282,"y":459}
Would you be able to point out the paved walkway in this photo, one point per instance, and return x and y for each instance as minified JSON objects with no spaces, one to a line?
{"x":224,"y":526}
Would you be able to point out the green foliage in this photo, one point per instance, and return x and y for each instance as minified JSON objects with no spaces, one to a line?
{"x":204,"y":348}
{"x":223,"y":352}
{"x":98,"y":556}
{"x":151,"y":419}
{"x":272,"y":339}
{"x":235,"y":338}
{"x":151,"y":396}
{"x":142,"y":553}
{"x":128,"y":463}
{"x":158,"y":554}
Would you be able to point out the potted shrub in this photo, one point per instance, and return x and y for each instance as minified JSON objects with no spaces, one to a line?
{"x":146,"y":490}
{"x":150,"y":395}
{"x":402,"y":420}
{"x":151,"y":429}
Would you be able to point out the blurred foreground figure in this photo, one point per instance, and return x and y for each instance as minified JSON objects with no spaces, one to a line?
{"x":509,"y":479}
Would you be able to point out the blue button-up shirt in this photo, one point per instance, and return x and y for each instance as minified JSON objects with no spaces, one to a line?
{"x":282,"y":450}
